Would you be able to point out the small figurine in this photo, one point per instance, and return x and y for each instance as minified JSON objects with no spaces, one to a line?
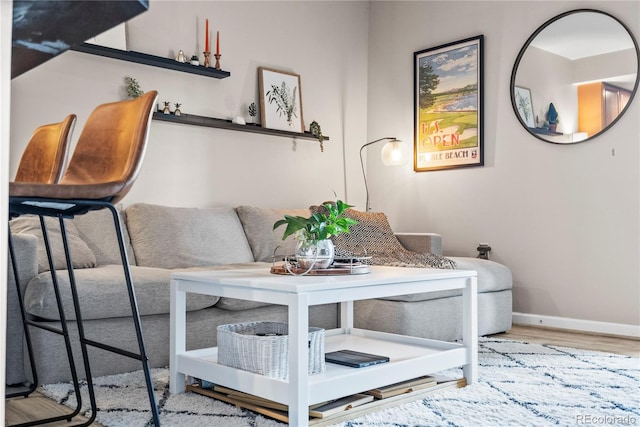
{"x":166,"y":109}
{"x":181,"y":56}
{"x":177,"y":111}
{"x":195,"y":60}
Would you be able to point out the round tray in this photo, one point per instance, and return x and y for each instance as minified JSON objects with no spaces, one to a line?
{"x":331,"y":271}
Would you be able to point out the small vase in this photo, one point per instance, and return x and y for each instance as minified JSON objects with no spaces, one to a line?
{"x":314,"y":254}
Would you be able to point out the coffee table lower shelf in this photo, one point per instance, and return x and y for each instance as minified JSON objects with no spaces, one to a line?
{"x":409,"y":357}
{"x":347,"y":414}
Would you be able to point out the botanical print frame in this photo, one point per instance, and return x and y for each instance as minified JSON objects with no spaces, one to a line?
{"x":448,"y":106}
{"x":522,"y":97}
{"x":280,"y":100}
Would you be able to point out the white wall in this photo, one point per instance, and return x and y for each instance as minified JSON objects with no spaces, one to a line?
{"x":565,"y":218}
{"x":325,"y":43}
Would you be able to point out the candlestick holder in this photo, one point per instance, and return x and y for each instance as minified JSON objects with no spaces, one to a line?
{"x":217,"y":56}
{"x":207,"y":59}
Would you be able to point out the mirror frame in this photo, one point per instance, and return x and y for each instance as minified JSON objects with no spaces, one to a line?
{"x":528,"y":43}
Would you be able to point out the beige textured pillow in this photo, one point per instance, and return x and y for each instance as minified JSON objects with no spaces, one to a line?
{"x":258,"y":226}
{"x":170,"y":237}
{"x":81,"y":255}
{"x":374,"y":237}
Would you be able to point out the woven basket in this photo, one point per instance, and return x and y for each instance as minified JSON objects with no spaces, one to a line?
{"x":263,"y":348}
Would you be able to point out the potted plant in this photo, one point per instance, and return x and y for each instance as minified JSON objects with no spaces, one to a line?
{"x":315,"y":249}
{"x":316,"y":131}
{"x":133,"y":87}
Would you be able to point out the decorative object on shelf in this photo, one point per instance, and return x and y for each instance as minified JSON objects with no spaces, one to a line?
{"x":166,"y":109}
{"x":315,"y":130}
{"x":552,"y":117}
{"x":525,"y":105}
{"x":239,"y":121}
{"x":207,"y":58}
{"x":394,"y":153}
{"x":253,"y":110}
{"x":217,"y":56}
{"x":133,"y":87}
{"x":181,"y":56}
{"x":194,"y":60}
{"x":315,"y":248}
{"x":177,"y":111}
{"x":280,"y":100}
{"x":448,"y":106}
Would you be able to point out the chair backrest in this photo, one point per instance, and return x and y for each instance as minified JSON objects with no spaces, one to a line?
{"x":44,"y":158}
{"x":111,"y":147}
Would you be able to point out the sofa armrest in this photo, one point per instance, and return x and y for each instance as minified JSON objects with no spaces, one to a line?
{"x":421,"y":242}
{"x":26,"y":251}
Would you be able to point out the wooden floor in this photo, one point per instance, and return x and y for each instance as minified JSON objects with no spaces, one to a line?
{"x":19,"y":409}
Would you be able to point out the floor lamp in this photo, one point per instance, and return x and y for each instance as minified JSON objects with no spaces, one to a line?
{"x":394,"y":153}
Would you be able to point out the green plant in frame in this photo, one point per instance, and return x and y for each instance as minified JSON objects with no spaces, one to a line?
{"x":285,"y":100}
{"x":319,"y":226}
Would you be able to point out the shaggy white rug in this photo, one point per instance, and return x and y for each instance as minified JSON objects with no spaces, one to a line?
{"x":520,"y":384}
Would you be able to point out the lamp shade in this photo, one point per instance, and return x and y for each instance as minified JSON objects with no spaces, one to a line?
{"x":394,"y":153}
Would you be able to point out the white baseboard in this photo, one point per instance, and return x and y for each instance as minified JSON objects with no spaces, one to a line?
{"x":592,"y":326}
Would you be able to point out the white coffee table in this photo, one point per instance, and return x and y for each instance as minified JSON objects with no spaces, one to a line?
{"x":410,"y":357}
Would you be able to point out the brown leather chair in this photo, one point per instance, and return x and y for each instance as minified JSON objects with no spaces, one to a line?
{"x":44,"y":158}
{"x":104,"y":166}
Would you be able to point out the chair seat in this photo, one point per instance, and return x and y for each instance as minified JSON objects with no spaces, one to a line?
{"x":104,"y":191}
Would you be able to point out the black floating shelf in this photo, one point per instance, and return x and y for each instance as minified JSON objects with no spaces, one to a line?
{"x":191,"y":119}
{"x":154,"y":61}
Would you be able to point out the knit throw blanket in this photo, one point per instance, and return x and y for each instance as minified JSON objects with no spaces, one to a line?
{"x":373,"y":237}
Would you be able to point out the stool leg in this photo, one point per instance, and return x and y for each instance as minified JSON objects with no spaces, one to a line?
{"x":83,"y":341}
{"x":136,"y":316}
{"x":63,"y":331}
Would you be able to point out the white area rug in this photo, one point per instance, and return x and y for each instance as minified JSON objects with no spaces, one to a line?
{"x":520,"y":384}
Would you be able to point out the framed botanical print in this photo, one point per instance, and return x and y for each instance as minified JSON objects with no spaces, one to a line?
{"x":448,"y":104}
{"x":280,"y":100}
{"x":522,"y":96}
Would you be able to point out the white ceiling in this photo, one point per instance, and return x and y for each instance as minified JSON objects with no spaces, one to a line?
{"x":580,"y":35}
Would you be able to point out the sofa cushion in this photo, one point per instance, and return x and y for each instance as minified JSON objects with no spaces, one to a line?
{"x":492,"y":277}
{"x":258,"y":226}
{"x":103,"y":294}
{"x":97,"y":230}
{"x":170,"y":237}
{"x":81,"y":255}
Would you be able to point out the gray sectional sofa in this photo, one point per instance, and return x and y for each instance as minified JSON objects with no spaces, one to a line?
{"x":164,"y":239}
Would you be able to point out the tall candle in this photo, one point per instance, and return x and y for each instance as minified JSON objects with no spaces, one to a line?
{"x":217,"y":42}
{"x":206,"y":37}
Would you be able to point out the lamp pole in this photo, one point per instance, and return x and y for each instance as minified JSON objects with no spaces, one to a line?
{"x":364,"y":175}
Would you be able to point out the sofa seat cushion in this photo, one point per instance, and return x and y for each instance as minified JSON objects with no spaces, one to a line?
{"x":81,"y":254}
{"x":103,"y":293}
{"x":264,"y":240}
{"x":492,"y":277}
{"x":169,"y":237}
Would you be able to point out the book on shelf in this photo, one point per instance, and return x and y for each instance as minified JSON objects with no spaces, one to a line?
{"x":339,"y":405}
{"x":402,"y":387}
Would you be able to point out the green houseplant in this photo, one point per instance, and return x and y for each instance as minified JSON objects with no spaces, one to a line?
{"x":315,"y":249}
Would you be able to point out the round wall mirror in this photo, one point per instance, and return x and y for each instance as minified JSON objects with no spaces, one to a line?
{"x":575,"y":76}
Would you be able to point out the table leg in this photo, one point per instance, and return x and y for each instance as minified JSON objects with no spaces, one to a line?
{"x":470,"y":328}
{"x":346,"y":314}
{"x":178,"y":334}
{"x":299,"y":361}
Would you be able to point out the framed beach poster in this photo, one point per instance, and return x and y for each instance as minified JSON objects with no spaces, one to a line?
{"x":280,"y":100}
{"x":448,"y":104}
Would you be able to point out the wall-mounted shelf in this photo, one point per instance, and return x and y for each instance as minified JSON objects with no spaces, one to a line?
{"x":154,"y":61}
{"x":191,"y":119}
